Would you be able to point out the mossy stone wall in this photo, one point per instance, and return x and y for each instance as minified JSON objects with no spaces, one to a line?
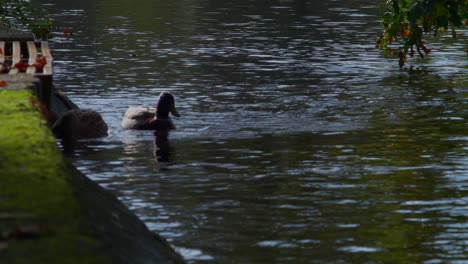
{"x":41,"y":220}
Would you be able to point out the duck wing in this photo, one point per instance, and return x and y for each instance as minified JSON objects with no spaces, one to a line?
{"x":138,"y":112}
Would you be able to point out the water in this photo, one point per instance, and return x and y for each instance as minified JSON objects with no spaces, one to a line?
{"x":299,"y":142}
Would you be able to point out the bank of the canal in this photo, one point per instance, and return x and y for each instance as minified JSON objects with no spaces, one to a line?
{"x":49,"y":211}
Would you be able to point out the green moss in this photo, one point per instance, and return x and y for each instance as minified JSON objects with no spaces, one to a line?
{"x":41,"y":220}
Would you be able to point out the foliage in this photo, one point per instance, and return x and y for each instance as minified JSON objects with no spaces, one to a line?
{"x":410,"y":19}
{"x":22,"y":14}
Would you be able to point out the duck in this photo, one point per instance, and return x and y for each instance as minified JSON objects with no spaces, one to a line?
{"x":70,"y":122}
{"x":80,"y":124}
{"x":147,"y":118}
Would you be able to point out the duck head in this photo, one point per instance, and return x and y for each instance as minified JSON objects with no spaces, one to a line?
{"x":166,"y":105}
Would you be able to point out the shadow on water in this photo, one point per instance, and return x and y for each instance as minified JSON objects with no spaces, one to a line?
{"x":161,"y":146}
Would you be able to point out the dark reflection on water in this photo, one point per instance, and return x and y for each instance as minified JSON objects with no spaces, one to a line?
{"x":299,"y":142}
{"x":298,"y":197}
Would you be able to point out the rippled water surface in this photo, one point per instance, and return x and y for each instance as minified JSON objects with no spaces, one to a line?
{"x":299,"y":142}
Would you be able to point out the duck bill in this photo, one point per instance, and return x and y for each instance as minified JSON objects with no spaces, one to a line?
{"x":174,"y":112}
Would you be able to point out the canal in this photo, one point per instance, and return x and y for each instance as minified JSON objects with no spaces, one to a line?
{"x":298,"y":141}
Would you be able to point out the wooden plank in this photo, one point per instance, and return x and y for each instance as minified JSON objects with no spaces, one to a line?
{"x":45,"y":50}
{"x":2,"y":53}
{"x":13,"y":71}
{"x":31,"y":70}
{"x":46,"y":53}
{"x":47,"y":69}
{"x":16,"y":57}
{"x":3,"y":67}
{"x":32,"y":50}
{"x":16,"y":52}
